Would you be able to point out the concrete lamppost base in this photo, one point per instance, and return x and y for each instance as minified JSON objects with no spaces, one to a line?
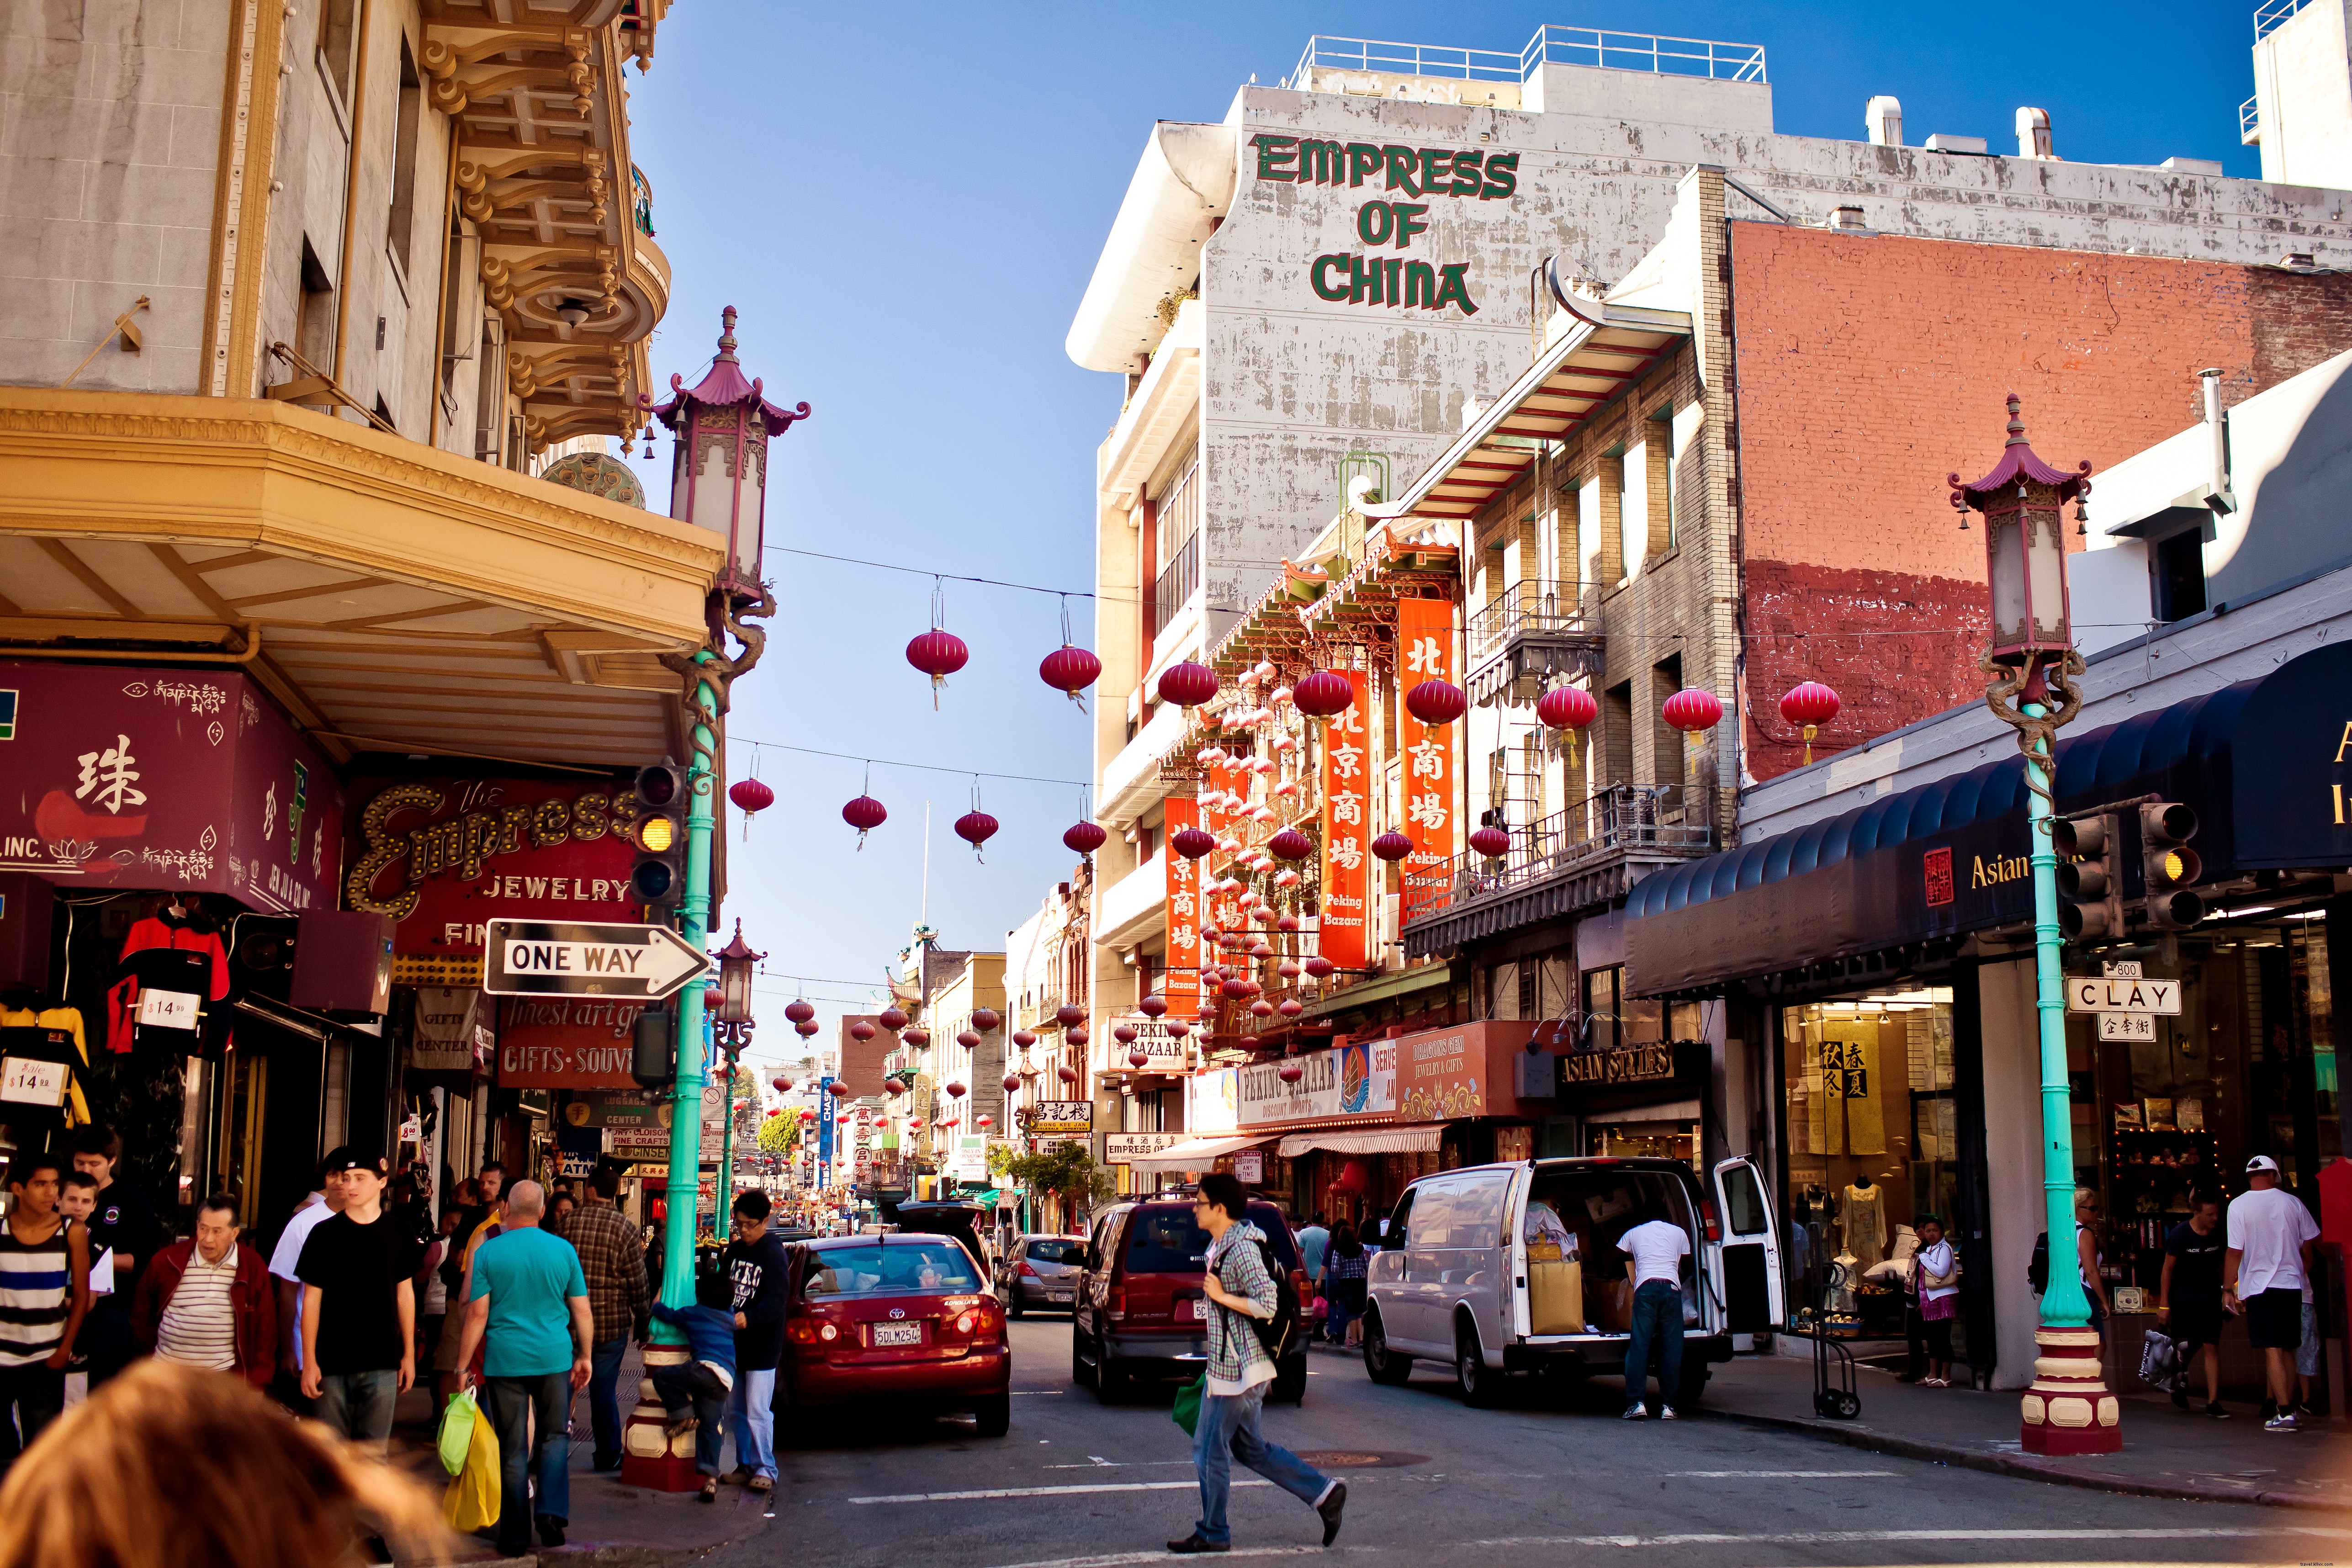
{"x":649,"y":1457}
{"x":2068,"y":1409}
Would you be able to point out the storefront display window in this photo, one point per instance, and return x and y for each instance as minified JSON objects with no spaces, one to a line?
{"x":1872,"y":1145}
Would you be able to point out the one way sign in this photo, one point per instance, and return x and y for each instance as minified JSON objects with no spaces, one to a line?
{"x":557,"y":958}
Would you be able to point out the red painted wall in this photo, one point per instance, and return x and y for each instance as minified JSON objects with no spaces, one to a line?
{"x":1869,"y":367}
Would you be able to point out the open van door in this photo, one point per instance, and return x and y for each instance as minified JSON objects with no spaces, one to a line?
{"x":1755,"y":1292}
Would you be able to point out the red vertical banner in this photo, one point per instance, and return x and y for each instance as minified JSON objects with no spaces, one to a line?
{"x":1347,"y":816}
{"x":1181,"y":985}
{"x":1426,"y":788}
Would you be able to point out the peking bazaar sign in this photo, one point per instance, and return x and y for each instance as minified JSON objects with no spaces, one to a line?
{"x":185,"y":777}
{"x":1347,"y":816}
{"x":1425,"y":652}
{"x":444,"y":857}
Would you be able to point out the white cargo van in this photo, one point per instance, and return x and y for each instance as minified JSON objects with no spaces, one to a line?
{"x":1514,"y":1268}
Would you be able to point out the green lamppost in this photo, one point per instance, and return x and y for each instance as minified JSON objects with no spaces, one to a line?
{"x":2031,"y":664}
{"x":731,"y":1027}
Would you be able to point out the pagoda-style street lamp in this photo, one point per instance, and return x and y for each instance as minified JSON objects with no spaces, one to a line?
{"x":2033,"y":663}
{"x":730,"y":1031}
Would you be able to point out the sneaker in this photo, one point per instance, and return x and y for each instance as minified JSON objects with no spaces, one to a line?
{"x":1665,"y":1413}
{"x":2281,"y":1423}
{"x":2216,"y":1412}
{"x":1635,"y":1413}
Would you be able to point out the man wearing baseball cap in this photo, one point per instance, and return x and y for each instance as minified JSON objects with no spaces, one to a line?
{"x":2268,"y":1257}
{"x":359,"y":1306}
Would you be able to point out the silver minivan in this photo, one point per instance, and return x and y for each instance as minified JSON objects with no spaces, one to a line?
{"x":1514,"y":1268}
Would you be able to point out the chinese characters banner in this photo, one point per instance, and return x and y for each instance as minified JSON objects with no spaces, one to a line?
{"x":1181,"y":985}
{"x":1425,"y":652}
{"x":1346,"y":809}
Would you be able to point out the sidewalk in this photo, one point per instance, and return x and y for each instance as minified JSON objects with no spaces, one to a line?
{"x":2166,"y":1453}
{"x":613,"y":1525}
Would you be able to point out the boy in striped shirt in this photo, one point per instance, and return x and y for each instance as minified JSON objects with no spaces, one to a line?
{"x":43,"y":1296}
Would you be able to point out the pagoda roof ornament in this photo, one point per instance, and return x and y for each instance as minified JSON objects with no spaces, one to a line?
{"x":722,"y":385}
{"x":2018,"y":463}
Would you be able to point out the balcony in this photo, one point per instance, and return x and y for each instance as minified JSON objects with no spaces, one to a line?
{"x":1134,"y":906}
{"x":1581,"y":856}
{"x":1532,"y":637}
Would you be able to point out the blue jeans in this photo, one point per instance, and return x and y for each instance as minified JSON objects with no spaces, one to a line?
{"x":1657,"y":1314}
{"x":1228,"y":1431}
{"x":690,"y":1386}
{"x":529,"y":1415}
{"x":357,"y":1405}
{"x":605,"y":1401}
{"x":751,"y":1416}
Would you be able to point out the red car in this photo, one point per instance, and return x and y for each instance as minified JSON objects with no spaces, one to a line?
{"x":903,"y":1320}
{"x":1140,"y":1309}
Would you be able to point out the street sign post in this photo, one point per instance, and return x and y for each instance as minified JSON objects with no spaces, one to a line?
{"x":559,"y":958}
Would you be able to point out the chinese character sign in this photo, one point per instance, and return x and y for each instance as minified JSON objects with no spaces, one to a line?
{"x":1346,"y":801}
{"x":1181,"y":985}
{"x":1426,"y":791}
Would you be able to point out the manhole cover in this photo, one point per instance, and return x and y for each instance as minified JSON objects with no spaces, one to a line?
{"x":1358,"y":1459}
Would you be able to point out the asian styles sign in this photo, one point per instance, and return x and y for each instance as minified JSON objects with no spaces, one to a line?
{"x":186,"y":778}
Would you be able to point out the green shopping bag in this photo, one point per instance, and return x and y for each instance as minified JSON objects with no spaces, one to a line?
{"x":1186,"y":1411}
{"x":457,"y":1430}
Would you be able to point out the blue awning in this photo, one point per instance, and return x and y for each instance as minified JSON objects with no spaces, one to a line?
{"x":2262,"y":762}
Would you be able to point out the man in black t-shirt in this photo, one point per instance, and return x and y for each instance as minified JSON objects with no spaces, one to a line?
{"x":2189,"y":1300}
{"x":359,"y":1306}
{"x":123,"y":1222}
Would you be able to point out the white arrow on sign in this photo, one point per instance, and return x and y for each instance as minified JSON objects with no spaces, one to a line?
{"x":2094,"y":994}
{"x":562,"y":958}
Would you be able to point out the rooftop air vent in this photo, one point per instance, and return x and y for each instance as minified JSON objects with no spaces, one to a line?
{"x":2033,"y":134}
{"x":1973,"y":145}
{"x":1882,"y":117}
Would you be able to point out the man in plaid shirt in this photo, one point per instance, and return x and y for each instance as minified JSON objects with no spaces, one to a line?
{"x":612,"y":1256}
{"x":1239,"y":1371}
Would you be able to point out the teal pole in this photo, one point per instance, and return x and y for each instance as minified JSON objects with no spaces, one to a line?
{"x":2064,"y":1304}
{"x":686,"y":1091}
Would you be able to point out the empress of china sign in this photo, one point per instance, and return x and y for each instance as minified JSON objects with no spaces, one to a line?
{"x":1423,"y":177}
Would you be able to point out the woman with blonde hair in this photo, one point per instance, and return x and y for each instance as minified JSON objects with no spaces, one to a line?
{"x":172,"y":1466}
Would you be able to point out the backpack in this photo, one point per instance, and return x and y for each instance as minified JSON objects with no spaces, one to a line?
{"x":2037,"y":1271}
{"x":1276,"y":1335}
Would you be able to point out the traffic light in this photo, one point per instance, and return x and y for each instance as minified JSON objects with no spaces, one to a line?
{"x":2090,"y":887}
{"x":2169,"y":866}
{"x":651,"y":1061}
{"x":658,"y":833}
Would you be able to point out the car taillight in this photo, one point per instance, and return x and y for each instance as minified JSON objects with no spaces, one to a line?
{"x":964,"y":1324}
{"x":1706,"y":1214}
{"x":1027,"y":1272}
{"x":1118,"y":1308}
{"x":801,"y":1332}
{"x":1300,"y":1287}
{"x":829,"y":1333}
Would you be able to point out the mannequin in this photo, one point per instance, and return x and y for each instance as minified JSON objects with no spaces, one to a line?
{"x":1866,"y":1221}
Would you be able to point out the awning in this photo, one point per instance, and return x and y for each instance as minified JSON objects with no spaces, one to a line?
{"x":1196,"y":1154}
{"x":1402,"y":983}
{"x":2256,"y":762}
{"x":1421,"y":1140}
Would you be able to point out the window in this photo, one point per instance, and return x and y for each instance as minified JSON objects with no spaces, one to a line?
{"x":1072,"y":1253}
{"x":338,"y":38}
{"x":1177,"y":519}
{"x":889,"y":1271}
{"x":403,"y":156}
{"x":2177,"y":566}
{"x":1165,"y":1241}
{"x":314,"y":327}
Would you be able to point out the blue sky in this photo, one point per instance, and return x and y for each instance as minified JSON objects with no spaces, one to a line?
{"x":905,"y":203}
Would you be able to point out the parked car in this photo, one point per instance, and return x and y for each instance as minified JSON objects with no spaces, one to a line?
{"x":1139,"y":1311}
{"x":1455,"y":1281}
{"x":1040,"y":1271}
{"x":903,"y":1320}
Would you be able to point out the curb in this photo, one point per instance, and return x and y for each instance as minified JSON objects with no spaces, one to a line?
{"x":2025,"y":1468}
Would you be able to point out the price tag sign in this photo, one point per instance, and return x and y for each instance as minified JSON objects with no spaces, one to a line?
{"x":25,"y":1081}
{"x":167,"y":1009}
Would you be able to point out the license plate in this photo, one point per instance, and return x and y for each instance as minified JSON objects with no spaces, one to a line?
{"x":1061,"y":1295}
{"x":898,"y":1334}
{"x":1188,"y":1311}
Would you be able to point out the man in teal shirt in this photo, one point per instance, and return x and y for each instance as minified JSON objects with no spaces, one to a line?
{"x":530,"y":1298}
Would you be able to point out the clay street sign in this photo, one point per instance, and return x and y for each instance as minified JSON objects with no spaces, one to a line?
{"x":2097,"y":994}
{"x":558,"y":958}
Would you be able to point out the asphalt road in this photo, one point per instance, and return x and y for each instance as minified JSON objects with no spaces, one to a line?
{"x":1556,"y":1479}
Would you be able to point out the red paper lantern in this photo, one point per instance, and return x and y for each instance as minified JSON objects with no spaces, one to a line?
{"x":916,"y":1035}
{"x":838,"y":1088}
{"x":1291,"y":1007}
{"x":985,"y":1019}
{"x":975,"y":829}
{"x":1436,"y":702}
{"x":1152,"y":1007}
{"x":986,"y":1122}
{"x":1070,"y":670}
{"x":1391,"y":846}
{"x":807,"y":1027}
{"x":1566,"y":708}
{"x":938,"y":653}
{"x":1262,"y":1008}
{"x":955,"y":1090}
{"x":1323,"y":694}
{"x":800,"y":1011}
{"x":865,"y":813}
{"x":891,"y":1018}
{"x":1810,"y":702}
{"x":1067,"y":1073}
{"x":750,"y":797}
{"x":1234,"y":990}
{"x":1085,"y":837}
{"x":969,"y":1039}
{"x":1069,"y":1012}
{"x":861,"y":1030}
{"x":1491,"y":842}
{"x":1076,"y":1037}
{"x":782,"y":1084}
{"x":1125,"y":1033}
{"x":893,"y":1088}
{"x":1290,"y":1072}
{"x":1692,"y":708}
{"x":1319,"y":966}
{"x":1011,"y":1082}
{"x":1138,"y":1059}
{"x":1192,"y":843}
{"x":1024,"y":1038}
{"x":1290,"y":845}
{"x":1177,"y":1028}
{"x":1187,"y":685}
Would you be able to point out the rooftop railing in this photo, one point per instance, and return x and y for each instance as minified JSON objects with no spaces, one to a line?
{"x":2250,"y":121}
{"x":1528,"y":605}
{"x":2269,"y":18}
{"x":1555,"y":45}
{"x":1677,"y":818}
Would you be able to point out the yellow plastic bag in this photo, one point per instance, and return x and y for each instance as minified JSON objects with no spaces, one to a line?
{"x":472,"y":1501}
